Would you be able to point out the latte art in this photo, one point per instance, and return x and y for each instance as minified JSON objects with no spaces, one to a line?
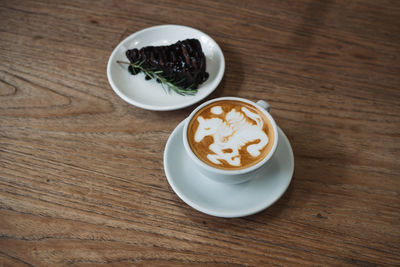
{"x":230,"y":135}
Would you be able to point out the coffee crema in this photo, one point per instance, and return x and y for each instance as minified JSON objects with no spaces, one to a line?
{"x":230,"y":135}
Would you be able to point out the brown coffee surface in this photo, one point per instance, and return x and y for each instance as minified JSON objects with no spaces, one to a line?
{"x":226,"y":130}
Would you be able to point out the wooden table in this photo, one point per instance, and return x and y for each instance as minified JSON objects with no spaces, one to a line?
{"x":81,"y":171}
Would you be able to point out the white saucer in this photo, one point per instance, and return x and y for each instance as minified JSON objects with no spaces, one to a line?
{"x":150,"y":94}
{"x":224,"y":200}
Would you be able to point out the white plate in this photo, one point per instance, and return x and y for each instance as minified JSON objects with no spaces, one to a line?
{"x":224,"y":200}
{"x":150,"y":94}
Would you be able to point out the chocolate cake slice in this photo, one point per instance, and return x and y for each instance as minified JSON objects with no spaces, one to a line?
{"x":182,"y":63}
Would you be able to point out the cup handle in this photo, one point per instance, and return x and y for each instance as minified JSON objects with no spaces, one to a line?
{"x":263,"y":104}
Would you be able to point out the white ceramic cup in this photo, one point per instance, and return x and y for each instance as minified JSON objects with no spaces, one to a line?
{"x":231,"y":176}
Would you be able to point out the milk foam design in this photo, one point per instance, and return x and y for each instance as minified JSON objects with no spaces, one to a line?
{"x":231,"y":134}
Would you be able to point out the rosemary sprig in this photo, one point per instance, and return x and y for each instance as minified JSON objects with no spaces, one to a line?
{"x":157,"y":75}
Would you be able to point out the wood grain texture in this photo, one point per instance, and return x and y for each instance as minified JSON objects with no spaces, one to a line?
{"x":81,"y":175}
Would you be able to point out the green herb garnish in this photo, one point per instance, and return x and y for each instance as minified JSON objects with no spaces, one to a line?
{"x":158,"y":75}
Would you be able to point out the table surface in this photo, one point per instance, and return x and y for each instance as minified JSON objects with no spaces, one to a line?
{"x":81,"y":171}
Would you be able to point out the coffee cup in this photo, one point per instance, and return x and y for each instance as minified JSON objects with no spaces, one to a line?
{"x":230,"y":139}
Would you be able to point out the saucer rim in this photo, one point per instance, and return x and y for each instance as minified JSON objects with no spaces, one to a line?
{"x":185,"y":101}
{"x":230,"y":214}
